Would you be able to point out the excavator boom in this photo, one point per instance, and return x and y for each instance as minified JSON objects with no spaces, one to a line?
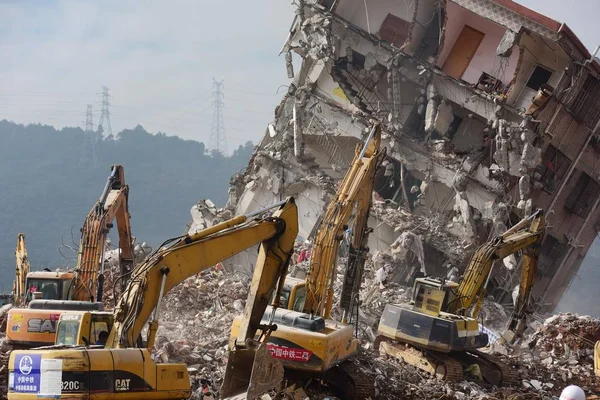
{"x":472,"y":286}
{"x":189,"y":255}
{"x":112,"y":204}
{"x":126,"y":356}
{"x":22,"y":269}
{"x":357,"y":184}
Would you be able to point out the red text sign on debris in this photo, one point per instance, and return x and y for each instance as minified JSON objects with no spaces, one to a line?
{"x":288,"y":353}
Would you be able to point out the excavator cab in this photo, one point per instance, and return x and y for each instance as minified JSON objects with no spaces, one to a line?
{"x":432,"y":295}
{"x":83,"y":328}
{"x":52,"y":285}
{"x":293,"y":294}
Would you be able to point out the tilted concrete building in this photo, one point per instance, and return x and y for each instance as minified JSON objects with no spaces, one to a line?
{"x":490,"y":110}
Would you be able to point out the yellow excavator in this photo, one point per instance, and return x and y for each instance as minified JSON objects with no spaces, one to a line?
{"x":307,"y":341}
{"x":28,"y":282}
{"x":45,"y":294}
{"x":123,"y":368}
{"x":22,"y":270}
{"x":438,"y":331}
{"x":597,"y":359}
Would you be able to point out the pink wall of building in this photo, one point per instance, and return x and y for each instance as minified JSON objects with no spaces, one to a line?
{"x":485,"y":59}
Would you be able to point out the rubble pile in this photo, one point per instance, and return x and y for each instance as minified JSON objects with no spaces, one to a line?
{"x":429,"y":229}
{"x":567,"y":335}
{"x":4,"y":352}
{"x":202,"y":308}
{"x":394,"y":379}
{"x":4,"y":355}
{"x":560,"y":351}
{"x":195,"y":325}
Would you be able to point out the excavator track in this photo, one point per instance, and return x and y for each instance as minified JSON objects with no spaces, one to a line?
{"x":349,"y":382}
{"x":438,"y":364}
{"x":450,"y":366}
{"x":363,"y":386}
{"x":510,"y":376}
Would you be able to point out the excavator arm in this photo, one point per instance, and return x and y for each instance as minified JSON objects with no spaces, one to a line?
{"x":517,"y":324}
{"x":189,"y":255}
{"x":527,"y":234}
{"x":113,"y":203}
{"x":22,"y":269}
{"x":357,"y":184}
{"x":358,"y":247}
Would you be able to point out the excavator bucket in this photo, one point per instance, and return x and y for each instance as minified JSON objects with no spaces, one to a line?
{"x":250,"y":373}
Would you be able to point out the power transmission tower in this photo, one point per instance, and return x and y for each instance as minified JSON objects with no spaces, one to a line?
{"x":104,"y":125}
{"x":88,"y":151}
{"x":218,"y":141}
{"x":89,"y":119}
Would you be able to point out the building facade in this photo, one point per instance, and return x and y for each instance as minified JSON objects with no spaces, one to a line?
{"x":490,"y":110}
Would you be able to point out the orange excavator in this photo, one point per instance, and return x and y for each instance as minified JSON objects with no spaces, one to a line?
{"x":45,"y":294}
{"x":113,"y":203}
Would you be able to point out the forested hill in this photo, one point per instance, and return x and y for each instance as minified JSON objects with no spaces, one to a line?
{"x":49,"y":180}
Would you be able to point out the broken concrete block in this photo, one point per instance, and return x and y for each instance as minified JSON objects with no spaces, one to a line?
{"x":524,"y":187}
{"x":510,"y":262}
{"x":532,"y":156}
{"x":528,"y":207}
{"x":528,"y":136}
{"x":534,"y":383}
{"x":501,"y":153}
{"x":430,"y":114}
{"x":408,"y":241}
{"x":432,"y":92}
{"x":444,"y":118}
{"x":370,"y":61}
{"x":507,"y":42}
{"x":462,"y":204}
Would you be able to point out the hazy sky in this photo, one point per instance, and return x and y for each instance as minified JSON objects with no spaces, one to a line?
{"x":159,"y":58}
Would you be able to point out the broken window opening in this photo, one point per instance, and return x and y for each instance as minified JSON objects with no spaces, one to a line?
{"x":394,"y":30}
{"x":539,"y":77}
{"x":360,"y":85}
{"x":430,"y":43}
{"x":553,"y":168}
{"x":551,"y":253}
{"x":454,"y":125}
{"x":327,"y":4}
{"x":586,"y":106}
{"x":583,"y":195}
{"x":415,"y":122}
{"x":466,"y":134}
{"x":388,"y":184}
{"x":489,"y":83}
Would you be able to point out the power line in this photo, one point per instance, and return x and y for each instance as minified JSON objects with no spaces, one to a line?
{"x":253,"y":93}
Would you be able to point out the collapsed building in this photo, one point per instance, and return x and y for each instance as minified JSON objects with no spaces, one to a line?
{"x":490,"y":110}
